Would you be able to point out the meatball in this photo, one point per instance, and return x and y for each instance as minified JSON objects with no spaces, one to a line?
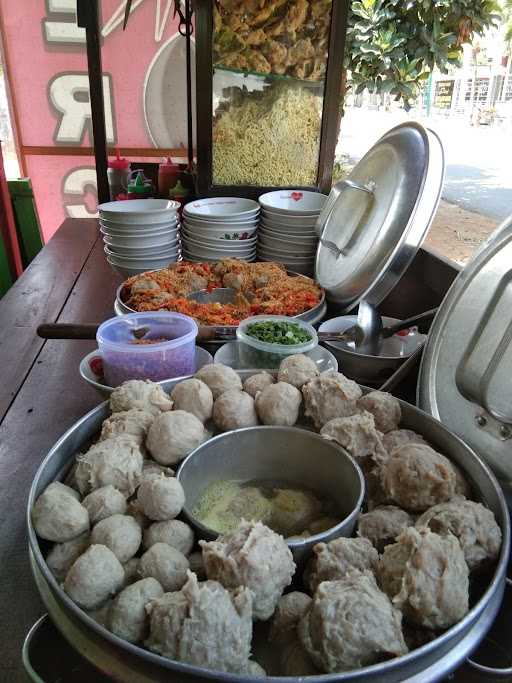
{"x":193,"y":396}
{"x":255,"y":669}
{"x":161,"y":499}
{"x":384,"y":408}
{"x":131,"y":571}
{"x":426,"y":576}
{"x":203,"y":624}
{"x":279,"y":404}
{"x":399,"y":437}
{"x":101,"y":615}
{"x":416,"y":477}
{"x":143,"y":284}
{"x":165,"y":564}
{"x":383,"y":524}
{"x":293,"y":510}
{"x":196,"y":563}
{"x":134,"y":509}
{"x":336,"y":559}
{"x":295,"y":661}
{"x":174,"y":435}
{"x":94,"y":577}
{"x":219,"y":378}
{"x":104,"y":502}
{"x":173,"y":532}
{"x":351,"y":624}
{"x":152,"y":470}
{"x":258,"y":382}
{"x":120,"y":533}
{"x":330,"y":395}
{"x":57,"y":515}
{"x":127,"y":617}
{"x":140,"y":394}
{"x":134,"y":423}
{"x":63,"y":555}
{"x":117,"y":461}
{"x":471,"y":523}
{"x":290,"y":609}
{"x":321,"y":524}
{"x":357,"y":434}
{"x":234,"y":409}
{"x":297,"y":370}
{"x":253,"y":556}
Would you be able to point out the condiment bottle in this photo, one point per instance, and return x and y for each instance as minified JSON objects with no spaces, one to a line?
{"x":168,"y":176}
{"x":139,"y":187}
{"x":180,"y":194}
{"x":118,"y":174}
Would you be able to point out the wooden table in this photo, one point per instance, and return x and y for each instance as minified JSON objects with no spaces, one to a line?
{"x":41,"y":395}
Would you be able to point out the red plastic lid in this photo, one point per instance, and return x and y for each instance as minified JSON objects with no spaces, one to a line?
{"x":167,"y":166}
{"x":118,"y":163}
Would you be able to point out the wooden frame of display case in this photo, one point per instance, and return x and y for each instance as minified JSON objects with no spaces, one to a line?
{"x":204,"y":88}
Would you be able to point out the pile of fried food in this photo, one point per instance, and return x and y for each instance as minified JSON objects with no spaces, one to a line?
{"x":124,"y":557}
{"x":263,"y":288}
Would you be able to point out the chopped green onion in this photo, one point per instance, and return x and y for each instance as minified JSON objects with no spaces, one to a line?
{"x":278,"y":332}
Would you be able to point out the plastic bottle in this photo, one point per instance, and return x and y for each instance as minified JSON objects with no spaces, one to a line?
{"x":180,"y":194}
{"x":118,"y":174}
{"x":168,"y":176}
{"x":139,"y":187}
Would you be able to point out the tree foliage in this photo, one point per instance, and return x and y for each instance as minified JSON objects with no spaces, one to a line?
{"x":393,"y":45}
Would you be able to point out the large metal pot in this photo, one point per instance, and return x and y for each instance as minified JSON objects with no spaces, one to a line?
{"x":127,"y":663}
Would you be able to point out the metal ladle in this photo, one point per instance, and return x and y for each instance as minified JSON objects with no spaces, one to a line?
{"x":368,"y":332}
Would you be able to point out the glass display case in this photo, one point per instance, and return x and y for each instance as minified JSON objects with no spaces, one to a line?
{"x":268,"y":75}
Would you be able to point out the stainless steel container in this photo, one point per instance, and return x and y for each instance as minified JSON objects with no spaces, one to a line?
{"x":129,"y":663}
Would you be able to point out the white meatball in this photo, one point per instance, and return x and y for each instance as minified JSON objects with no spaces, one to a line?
{"x":152,"y":470}
{"x":358,"y":435}
{"x":193,"y":396}
{"x":174,"y":435}
{"x":330,"y":395}
{"x":104,"y":502}
{"x":63,"y":555}
{"x":297,"y":370}
{"x":253,"y":556}
{"x":120,"y":533}
{"x":255,"y":669}
{"x":165,"y":564}
{"x":203,"y":624}
{"x":134,"y":423}
{"x":131,"y":571}
{"x":161,"y":499}
{"x":399,"y":437}
{"x":117,"y":461}
{"x":334,"y":560}
{"x":134,"y":509}
{"x":57,"y":515}
{"x":290,"y":609}
{"x":94,"y":577}
{"x":258,"y":382}
{"x":383,"y":524}
{"x":234,"y":409}
{"x":101,"y":615}
{"x":140,"y":394}
{"x":128,"y":617}
{"x":279,"y":404}
{"x":384,"y":407}
{"x":219,"y":378}
{"x":173,"y":532}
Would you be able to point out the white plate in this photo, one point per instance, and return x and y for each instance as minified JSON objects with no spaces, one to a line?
{"x":293,"y":202}
{"x":229,"y":354}
{"x":138,"y":210}
{"x":222,"y":208}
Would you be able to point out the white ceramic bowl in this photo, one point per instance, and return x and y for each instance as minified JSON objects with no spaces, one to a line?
{"x":126,"y":272}
{"x":145,"y":262}
{"x":143,"y":242}
{"x":143,"y":252}
{"x":220,"y":223}
{"x":137,"y":234}
{"x":304,"y":268}
{"x":224,"y":233}
{"x":199,"y":255}
{"x":302,"y":238}
{"x":139,"y":210}
{"x":292,"y":228}
{"x":121,"y":226}
{"x":293,"y":202}
{"x":221,"y":245}
{"x":222,"y":208}
{"x":306,"y":251}
{"x":282,"y":221}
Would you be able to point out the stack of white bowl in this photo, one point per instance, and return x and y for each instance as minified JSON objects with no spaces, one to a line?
{"x":220,"y":227}
{"x":140,"y":234}
{"x":287,"y":228}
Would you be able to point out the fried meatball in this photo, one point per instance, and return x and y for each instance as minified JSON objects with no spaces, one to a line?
{"x":127,"y":617}
{"x":197,"y":565}
{"x":416,"y":477}
{"x":385,"y":409}
{"x":383,"y":524}
{"x":471,"y":523}
{"x":462,"y":486}
{"x":140,"y":394}
{"x":173,"y":532}
{"x":297,"y":370}
{"x":63,"y":555}
{"x":203,"y":624}
{"x":134,"y":423}
{"x":426,"y":576}
{"x":290,"y":609}
{"x":143,"y":284}
{"x":295,"y":661}
{"x":351,"y":624}
{"x":193,"y":396}
{"x":120,"y":533}
{"x":334,"y":560}
{"x":174,"y":435}
{"x":258,"y":382}
{"x":399,"y":437}
{"x":219,"y":378}
{"x":161,"y":499}
{"x":104,"y":502}
{"x":94,"y":577}
{"x":117,"y":461}
{"x":57,"y":515}
{"x":330,"y":395}
{"x":253,"y":556}
{"x":357,"y":434}
{"x":234,"y":409}
{"x":165,"y":564}
{"x":279,"y":404}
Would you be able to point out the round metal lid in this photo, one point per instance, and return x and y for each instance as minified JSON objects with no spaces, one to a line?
{"x":374,"y":222}
{"x":466,"y":371}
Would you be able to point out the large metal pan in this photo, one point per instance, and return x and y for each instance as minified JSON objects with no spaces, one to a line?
{"x":127,"y":663}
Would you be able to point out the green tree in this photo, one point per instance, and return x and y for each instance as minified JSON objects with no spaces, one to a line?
{"x":393,"y":45}
{"x":506,"y":7}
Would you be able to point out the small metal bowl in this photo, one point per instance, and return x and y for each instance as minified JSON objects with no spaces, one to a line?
{"x":290,"y":454}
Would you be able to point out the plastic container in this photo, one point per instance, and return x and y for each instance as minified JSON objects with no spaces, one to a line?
{"x":139,"y":187}
{"x":118,"y":174}
{"x":258,"y":354}
{"x":123,"y":359}
{"x":168,"y":177}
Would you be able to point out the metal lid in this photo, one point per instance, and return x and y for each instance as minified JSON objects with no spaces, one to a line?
{"x":374,"y":222}
{"x":466,"y":371}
